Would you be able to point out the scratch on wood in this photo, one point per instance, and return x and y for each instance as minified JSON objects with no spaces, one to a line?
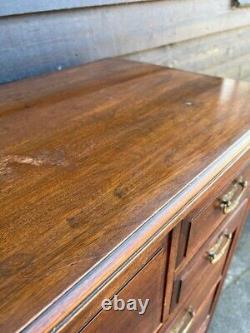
{"x":26,"y":160}
{"x":45,"y":159}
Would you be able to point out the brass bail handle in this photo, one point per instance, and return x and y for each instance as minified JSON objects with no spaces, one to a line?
{"x":220,"y":248}
{"x":229,"y":201}
{"x":185,"y":322}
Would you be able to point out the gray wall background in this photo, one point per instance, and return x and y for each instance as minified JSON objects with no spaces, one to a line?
{"x":206,"y":36}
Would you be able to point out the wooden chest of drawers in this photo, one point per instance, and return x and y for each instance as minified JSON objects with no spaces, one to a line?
{"x":120,"y":180}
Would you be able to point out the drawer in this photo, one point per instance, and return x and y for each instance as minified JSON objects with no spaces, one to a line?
{"x":149,"y":285}
{"x":201,"y":316}
{"x":128,"y":279}
{"x":194,"y":314}
{"x":208,"y":263}
{"x":218,"y":205}
{"x":204,"y":326}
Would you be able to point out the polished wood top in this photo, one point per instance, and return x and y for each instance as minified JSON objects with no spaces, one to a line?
{"x":87,"y":156}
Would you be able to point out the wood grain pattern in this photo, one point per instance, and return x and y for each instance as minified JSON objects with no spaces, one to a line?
{"x":200,"y":269}
{"x":200,"y":286}
{"x":201,"y":294}
{"x":85,"y":314}
{"x":147,"y":284}
{"x":87,"y":157}
{"x":201,"y":224}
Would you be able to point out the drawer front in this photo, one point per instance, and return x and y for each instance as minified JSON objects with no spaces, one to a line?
{"x":197,"y":227}
{"x":148,"y":284}
{"x":204,"y":326}
{"x":202,"y":314}
{"x":194,"y":313}
{"x":137,"y":269}
{"x":209,"y":261}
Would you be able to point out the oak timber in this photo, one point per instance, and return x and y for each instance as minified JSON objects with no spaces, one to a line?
{"x":94,"y":162}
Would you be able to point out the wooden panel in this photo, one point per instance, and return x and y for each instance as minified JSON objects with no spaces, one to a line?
{"x":236,"y":68}
{"x":202,"y":209}
{"x":147,"y":285}
{"x":211,"y":54}
{"x":210,"y":218}
{"x":83,"y":315}
{"x":201,"y":296}
{"x":17,"y":7}
{"x":202,"y":314}
{"x":201,"y":268}
{"x":40,"y":43}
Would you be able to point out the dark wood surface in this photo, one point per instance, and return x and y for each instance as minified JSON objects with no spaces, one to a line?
{"x":147,"y":284}
{"x":201,"y":285}
{"x":87,"y":157}
{"x":200,"y":268}
{"x":201,"y":293}
{"x":205,"y":218}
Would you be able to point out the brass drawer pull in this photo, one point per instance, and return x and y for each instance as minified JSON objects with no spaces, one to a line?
{"x":185,"y":323}
{"x":219,"y":249}
{"x":228,"y":203}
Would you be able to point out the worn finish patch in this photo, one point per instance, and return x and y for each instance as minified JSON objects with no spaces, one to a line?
{"x":56,"y":158}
